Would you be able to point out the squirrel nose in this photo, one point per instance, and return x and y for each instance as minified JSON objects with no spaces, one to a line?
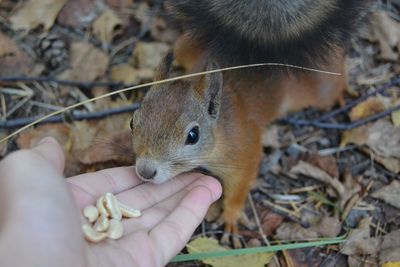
{"x":146,"y":169}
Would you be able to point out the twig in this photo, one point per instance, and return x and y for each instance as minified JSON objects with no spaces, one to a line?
{"x":45,"y":117}
{"x":339,"y":126}
{"x":76,"y":115}
{"x":321,"y":121}
{"x":82,"y":85}
{"x":260,"y":230}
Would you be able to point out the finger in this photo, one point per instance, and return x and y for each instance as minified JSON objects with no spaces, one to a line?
{"x":148,"y":194}
{"x":155,"y":214}
{"x":90,"y":186}
{"x":51,"y":150}
{"x":170,"y":235}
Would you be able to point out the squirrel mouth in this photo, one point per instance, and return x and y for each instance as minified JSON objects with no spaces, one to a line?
{"x":204,"y":170}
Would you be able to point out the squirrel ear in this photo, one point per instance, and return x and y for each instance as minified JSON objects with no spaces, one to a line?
{"x":164,"y":67}
{"x":211,"y":89}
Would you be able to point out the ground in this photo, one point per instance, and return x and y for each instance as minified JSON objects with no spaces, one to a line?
{"x":320,"y":176}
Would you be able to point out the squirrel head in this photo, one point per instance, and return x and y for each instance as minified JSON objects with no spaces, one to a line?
{"x":174,"y":129}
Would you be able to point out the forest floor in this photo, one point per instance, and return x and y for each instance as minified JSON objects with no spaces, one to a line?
{"x":320,"y":175}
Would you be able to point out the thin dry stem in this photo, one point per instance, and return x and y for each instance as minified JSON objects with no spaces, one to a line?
{"x":156,"y":83}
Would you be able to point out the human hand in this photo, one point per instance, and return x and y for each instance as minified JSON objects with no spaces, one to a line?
{"x":40,"y":222}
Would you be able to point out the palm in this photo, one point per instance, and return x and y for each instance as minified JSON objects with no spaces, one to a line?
{"x":42,"y":220}
{"x":156,"y":230}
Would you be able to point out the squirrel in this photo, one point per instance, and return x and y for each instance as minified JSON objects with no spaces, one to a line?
{"x":213,"y":123}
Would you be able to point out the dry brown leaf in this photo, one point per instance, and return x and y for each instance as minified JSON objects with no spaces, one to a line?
{"x":60,"y":131}
{"x":343,"y":192}
{"x":396,"y":115}
{"x":319,"y":227}
{"x":12,"y":60}
{"x":87,"y":63}
{"x":390,"y":248}
{"x":119,"y":3}
{"x":149,"y":55}
{"x":325,"y":163}
{"x":79,"y":13}
{"x":294,"y":231}
{"x":99,"y":141}
{"x":270,"y":221}
{"x":115,"y":146}
{"x":360,"y":242}
{"x":326,"y":226}
{"x":124,"y":73}
{"x":36,"y":12}
{"x":369,"y":107}
{"x":105,"y":27}
{"x":386,"y":31}
{"x":205,"y":244}
{"x":382,"y":137}
{"x":270,"y":137}
{"x":3,"y":145}
{"x":389,"y":194}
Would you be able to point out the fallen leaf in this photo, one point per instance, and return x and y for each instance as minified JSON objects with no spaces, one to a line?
{"x":382,"y":137}
{"x":326,"y":226}
{"x":304,"y":257}
{"x":270,"y":137}
{"x":3,"y":145}
{"x":344,"y":193}
{"x":205,"y":244}
{"x":389,"y":193}
{"x":294,"y":231}
{"x":79,"y":13}
{"x":13,"y":61}
{"x":325,"y":163}
{"x":105,"y":27}
{"x":390,"y":249}
{"x":396,"y":115}
{"x":359,"y":240}
{"x":36,"y":12}
{"x":149,"y":55}
{"x":87,"y":63}
{"x":120,"y":3}
{"x":369,"y":107}
{"x":270,"y":221}
{"x":124,"y":73}
{"x":115,"y":146}
{"x":391,"y":164}
{"x":319,"y":227}
{"x":385,"y":31}
{"x":59,"y":131}
{"x":391,"y":264}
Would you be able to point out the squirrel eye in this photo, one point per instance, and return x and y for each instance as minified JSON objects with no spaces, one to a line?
{"x":131,"y":124}
{"x":193,"y":136}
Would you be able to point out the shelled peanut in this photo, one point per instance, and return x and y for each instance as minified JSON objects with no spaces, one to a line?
{"x":105,"y":218}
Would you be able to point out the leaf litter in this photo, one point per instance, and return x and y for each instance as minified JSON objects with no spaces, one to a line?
{"x":312,"y":183}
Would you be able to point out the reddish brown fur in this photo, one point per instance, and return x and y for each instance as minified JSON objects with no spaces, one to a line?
{"x":249,"y":107}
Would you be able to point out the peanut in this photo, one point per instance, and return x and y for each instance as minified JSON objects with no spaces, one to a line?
{"x":102,"y":223}
{"x":101,"y":226}
{"x":116,"y":229}
{"x":91,"y":213}
{"x":100,"y":206}
{"x":111,"y":204}
{"x":128,"y":212}
{"x":92,"y":235}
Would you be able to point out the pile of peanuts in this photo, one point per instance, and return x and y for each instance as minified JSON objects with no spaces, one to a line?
{"x":105,"y":218}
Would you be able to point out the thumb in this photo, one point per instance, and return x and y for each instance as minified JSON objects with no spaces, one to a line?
{"x":49,"y":149}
